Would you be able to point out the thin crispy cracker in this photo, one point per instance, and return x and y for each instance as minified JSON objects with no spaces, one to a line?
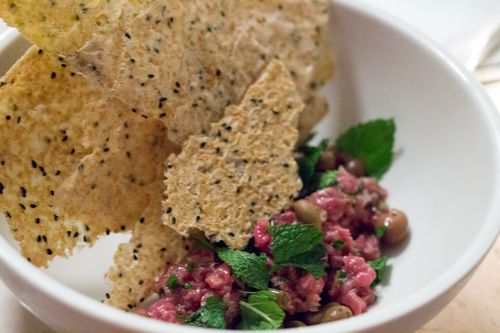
{"x":143,"y":258}
{"x":244,"y":170}
{"x":74,"y":166}
{"x":59,"y":25}
{"x":184,"y":61}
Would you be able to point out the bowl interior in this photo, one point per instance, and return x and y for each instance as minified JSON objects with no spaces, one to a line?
{"x":445,"y":173}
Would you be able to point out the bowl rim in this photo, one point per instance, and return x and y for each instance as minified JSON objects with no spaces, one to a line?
{"x":465,"y":264}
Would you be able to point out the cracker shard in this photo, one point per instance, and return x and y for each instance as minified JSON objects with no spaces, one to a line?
{"x":62,"y":142}
{"x":243,"y":170}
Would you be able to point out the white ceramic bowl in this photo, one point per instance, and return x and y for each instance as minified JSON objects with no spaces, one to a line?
{"x":446,"y":177}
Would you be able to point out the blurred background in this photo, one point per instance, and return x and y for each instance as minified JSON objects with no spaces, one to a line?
{"x":470,"y":31}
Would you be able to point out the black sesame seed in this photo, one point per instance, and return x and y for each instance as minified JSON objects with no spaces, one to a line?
{"x":135,"y":257}
{"x":49,"y":252}
{"x":53,"y":75}
{"x":122,"y":227}
{"x":198,"y":218}
{"x":58,"y":172}
{"x":52,"y":193}
{"x":132,"y":60}
{"x":150,"y":76}
{"x":163,"y":249}
{"x":2,"y":187}
{"x":68,"y":233}
{"x":65,"y":138}
{"x":39,"y":238}
{"x":40,"y":51}
{"x":141,"y":282}
{"x":76,"y":234}
{"x":108,"y":231}
{"x":7,"y":117}
{"x":33,"y":164}
{"x":129,"y":155}
{"x":56,"y":217}
{"x":142,"y":220}
{"x":174,"y":220}
{"x":218,"y":72}
{"x":22,"y":206}
{"x":107,"y":296}
{"x":126,"y":34}
{"x":33,"y":206}
{"x":84,"y":238}
{"x":105,"y":149}
{"x":130,"y":306}
{"x":202,"y":145}
{"x":169,"y":210}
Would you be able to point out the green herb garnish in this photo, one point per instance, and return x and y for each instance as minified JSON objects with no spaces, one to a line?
{"x":210,"y":315}
{"x":380,"y":231}
{"x":173,"y":282}
{"x":341,"y":276}
{"x":380,"y":266}
{"x":372,"y":142}
{"x":338,"y":245}
{"x":327,"y":178}
{"x":261,"y":312}
{"x":249,"y":268}
{"x":299,"y":245}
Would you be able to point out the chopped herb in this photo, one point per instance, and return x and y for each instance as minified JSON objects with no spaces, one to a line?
{"x":380,"y":231}
{"x":211,"y":315}
{"x":380,"y":266}
{"x":190,"y":266}
{"x":261,"y":312}
{"x":372,"y":142}
{"x":172,"y":282}
{"x":299,"y":245}
{"x":338,"y":245}
{"x":327,"y":178}
{"x":341,"y":276}
{"x":248,"y":267}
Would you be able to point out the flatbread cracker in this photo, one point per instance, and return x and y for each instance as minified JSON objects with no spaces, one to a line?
{"x":184,"y":61}
{"x":59,"y":25}
{"x":62,"y":142}
{"x":144,"y":257}
{"x":244,"y":170}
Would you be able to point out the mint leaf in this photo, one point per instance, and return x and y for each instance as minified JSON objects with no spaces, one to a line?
{"x":248,"y":267}
{"x":261,"y":312}
{"x":307,"y":164}
{"x":327,"y":178}
{"x":172,"y":282}
{"x":299,"y":245}
{"x":372,"y":142}
{"x":380,"y":266}
{"x":210,"y":315}
{"x":338,"y":245}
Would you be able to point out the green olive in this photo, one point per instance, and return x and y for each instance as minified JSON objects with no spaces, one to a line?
{"x":328,"y":313}
{"x":283,"y":298}
{"x":326,"y":161}
{"x":294,"y":323}
{"x":395,"y":224}
{"x":308,"y":213}
{"x":356,"y":167}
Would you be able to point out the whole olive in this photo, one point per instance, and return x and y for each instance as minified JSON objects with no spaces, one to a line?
{"x":356,"y":167}
{"x":330,"y":312}
{"x":308,"y":213}
{"x":326,"y":161}
{"x":283,"y":298}
{"x":395,"y":224}
{"x":294,"y":323}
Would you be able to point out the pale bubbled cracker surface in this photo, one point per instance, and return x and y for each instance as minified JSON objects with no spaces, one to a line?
{"x":244,"y":170}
